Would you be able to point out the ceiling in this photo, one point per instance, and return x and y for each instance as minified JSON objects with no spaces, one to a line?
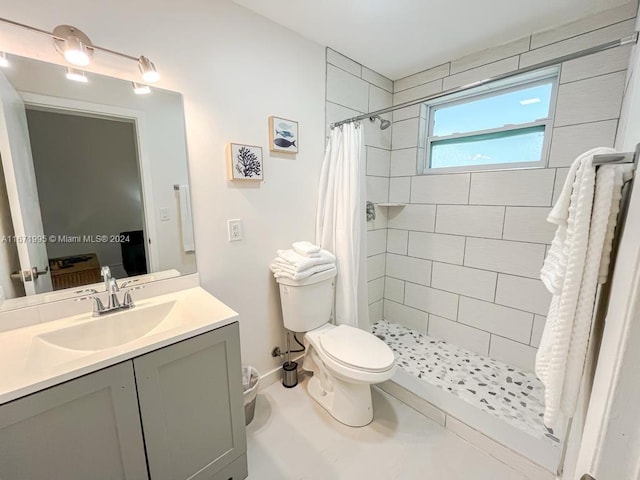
{"x":399,"y":37}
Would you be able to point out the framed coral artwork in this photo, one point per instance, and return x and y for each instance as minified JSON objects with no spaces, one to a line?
{"x":244,"y":162}
{"x":283,"y":135}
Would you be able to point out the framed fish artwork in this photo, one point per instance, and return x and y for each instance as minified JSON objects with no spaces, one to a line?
{"x":244,"y":162}
{"x":283,"y":135}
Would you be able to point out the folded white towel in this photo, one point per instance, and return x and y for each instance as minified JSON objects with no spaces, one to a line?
{"x":300,"y":263}
{"x":280,"y":271}
{"x":306,"y":249}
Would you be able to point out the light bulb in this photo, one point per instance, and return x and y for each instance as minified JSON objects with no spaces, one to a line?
{"x":4,"y":61}
{"x":76,"y":75}
{"x":140,"y":89}
{"x":148,"y":70}
{"x":75,"y":52}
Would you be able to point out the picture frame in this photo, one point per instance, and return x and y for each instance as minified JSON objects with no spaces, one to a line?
{"x":283,"y":135}
{"x":244,"y":162}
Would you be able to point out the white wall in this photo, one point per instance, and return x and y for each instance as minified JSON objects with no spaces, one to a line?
{"x":234,"y":69}
{"x":97,"y":174}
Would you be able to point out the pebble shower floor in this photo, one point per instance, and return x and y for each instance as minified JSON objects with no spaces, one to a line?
{"x":513,"y":395}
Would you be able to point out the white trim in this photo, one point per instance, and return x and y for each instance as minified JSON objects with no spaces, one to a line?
{"x":139,"y":120}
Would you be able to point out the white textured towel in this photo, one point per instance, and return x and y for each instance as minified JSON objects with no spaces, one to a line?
{"x":280,"y":270}
{"x":585,"y":213}
{"x":186,"y":219}
{"x":300,"y":263}
{"x":306,"y":249}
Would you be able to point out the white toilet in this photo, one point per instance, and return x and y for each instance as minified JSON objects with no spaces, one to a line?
{"x":345,"y":360}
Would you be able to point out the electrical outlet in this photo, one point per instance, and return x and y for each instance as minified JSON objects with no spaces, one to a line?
{"x":164,"y":214}
{"x":234,"y":229}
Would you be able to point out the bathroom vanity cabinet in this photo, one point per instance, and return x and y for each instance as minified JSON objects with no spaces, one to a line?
{"x":178,"y":410}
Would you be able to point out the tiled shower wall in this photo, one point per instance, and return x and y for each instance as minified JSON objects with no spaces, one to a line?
{"x":353,"y":89}
{"x":464,"y":255}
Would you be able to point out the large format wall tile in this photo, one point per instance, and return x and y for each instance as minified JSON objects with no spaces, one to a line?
{"x":517,"y":258}
{"x":445,"y":188}
{"x":523,"y":293}
{"x":413,"y":217}
{"x":529,"y":187}
{"x":411,"y":269}
{"x":443,"y":304}
{"x":503,"y":321}
{"x":346,"y":89}
{"x":459,"y":334}
{"x":471,"y":282}
{"x":433,"y":246}
{"x":470,"y":220}
{"x":590,"y":100}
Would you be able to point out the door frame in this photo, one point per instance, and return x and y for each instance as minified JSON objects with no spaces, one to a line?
{"x":608,"y":445}
{"x":138,"y":118}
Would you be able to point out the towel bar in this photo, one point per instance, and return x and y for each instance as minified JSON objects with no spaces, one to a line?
{"x":626,"y":157}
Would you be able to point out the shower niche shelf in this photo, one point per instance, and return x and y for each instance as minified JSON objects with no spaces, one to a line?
{"x":390,"y":204}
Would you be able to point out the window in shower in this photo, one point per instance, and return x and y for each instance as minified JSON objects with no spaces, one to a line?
{"x":506,"y":124}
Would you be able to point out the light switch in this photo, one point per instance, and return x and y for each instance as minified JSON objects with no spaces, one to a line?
{"x":164,"y":214}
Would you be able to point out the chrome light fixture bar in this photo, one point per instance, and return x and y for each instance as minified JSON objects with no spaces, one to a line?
{"x":77,"y":48}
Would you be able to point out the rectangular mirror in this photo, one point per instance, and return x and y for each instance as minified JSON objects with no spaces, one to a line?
{"x":95,"y":175}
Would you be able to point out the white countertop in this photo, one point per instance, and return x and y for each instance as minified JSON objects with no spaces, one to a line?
{"x":25,"y":367}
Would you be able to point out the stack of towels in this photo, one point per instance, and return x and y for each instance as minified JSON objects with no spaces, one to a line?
{"x":301,"y":261}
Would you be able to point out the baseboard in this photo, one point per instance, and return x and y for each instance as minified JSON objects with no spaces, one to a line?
{"x":275,"y":375}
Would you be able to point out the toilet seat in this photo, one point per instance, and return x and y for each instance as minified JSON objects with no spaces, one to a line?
{"x":357,"y":349}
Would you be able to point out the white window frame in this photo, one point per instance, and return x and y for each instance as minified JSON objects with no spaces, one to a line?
{"x":489,"y":90}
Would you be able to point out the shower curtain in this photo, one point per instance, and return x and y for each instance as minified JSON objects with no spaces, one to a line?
{"x":340,"y":221}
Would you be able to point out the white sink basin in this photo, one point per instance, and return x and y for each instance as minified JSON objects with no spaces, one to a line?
{"x":110,"y":330}
{"x":48,"y":353}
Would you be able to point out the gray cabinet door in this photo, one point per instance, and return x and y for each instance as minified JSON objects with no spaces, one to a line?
{"x":87,"y":428}
{"x":191,"y":406}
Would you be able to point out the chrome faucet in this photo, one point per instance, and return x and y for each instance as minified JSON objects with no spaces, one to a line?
{"x":112,"y":289}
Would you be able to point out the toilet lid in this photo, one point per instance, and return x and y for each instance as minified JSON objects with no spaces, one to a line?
{"x":356,"y":348}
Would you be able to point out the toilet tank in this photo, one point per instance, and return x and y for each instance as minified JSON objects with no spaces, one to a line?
{"x":307,"y":303}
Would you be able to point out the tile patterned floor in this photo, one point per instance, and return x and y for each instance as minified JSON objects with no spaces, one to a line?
{"x":293,"y":438}
{"x":492,"y":386}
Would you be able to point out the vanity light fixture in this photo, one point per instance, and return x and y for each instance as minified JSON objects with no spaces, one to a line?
{"x":140,"y":89}
{"x":77,"y":49}
{"x":76,"y":75}
{"x":76,"y":46}
{"x":4,"y":61}
{"x":148,"y":70}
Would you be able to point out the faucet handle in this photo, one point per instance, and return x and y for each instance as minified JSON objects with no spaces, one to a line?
{"x":98,"y":306}
{"x":127,"y":301}
{"x":129,"y":282}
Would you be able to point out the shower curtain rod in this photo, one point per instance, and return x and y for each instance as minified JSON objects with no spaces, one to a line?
{"x":633,"y":38}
